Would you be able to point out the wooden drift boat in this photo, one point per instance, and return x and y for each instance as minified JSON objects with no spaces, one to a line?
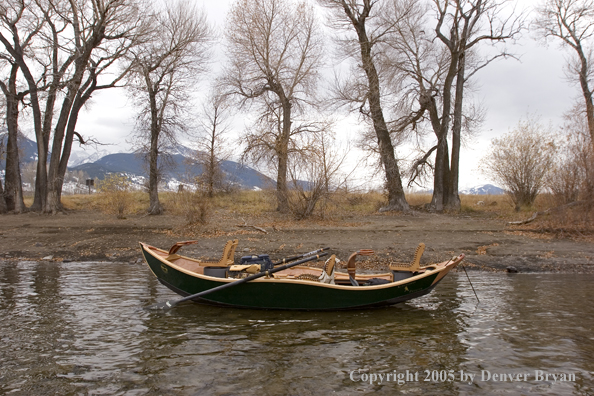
{"x":295,"y":288}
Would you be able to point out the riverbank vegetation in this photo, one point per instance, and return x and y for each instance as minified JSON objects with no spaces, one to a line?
{"x":411,"y":68}
{"x":199,"y":211}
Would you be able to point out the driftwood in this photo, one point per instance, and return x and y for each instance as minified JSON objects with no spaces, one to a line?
{"x":555,"y":209}
{"x":245,"y":224}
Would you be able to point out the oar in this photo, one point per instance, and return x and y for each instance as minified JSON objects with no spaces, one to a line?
{"x":171,"y":304}
{"x":286,"y":260}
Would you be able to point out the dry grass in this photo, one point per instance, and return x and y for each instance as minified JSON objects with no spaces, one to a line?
{"x":576,"y":223}
{"x":339,"y":204}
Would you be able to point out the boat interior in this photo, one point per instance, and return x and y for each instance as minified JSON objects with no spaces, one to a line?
{"x":225,"y":267}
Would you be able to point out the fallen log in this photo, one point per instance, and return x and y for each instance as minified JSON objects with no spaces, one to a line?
{"x":555,"y":209}
{"x":245,"y":224}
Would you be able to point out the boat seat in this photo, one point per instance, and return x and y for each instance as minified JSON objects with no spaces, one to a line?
{"x":226,"y":260}
{"x":228,"y":257}
{"x":416,"y":263}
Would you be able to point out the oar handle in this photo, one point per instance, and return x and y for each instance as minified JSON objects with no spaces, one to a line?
{"x":171,"y":304}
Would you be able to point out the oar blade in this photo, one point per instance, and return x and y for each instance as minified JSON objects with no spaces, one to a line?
{"x":162,"y":306}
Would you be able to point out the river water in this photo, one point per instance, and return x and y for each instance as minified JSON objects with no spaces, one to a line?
{"x":79,"y":329}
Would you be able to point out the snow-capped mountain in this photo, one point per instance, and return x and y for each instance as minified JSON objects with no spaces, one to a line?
{"x":485,"y":189}
{"x":182,"y":168}
{"x":80,"y":156}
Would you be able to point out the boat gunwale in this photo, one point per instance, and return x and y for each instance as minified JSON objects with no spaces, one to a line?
{"x":439,"y":267}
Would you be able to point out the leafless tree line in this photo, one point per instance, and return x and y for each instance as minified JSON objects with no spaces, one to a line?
{"x":411,"y":65}
{"x":55,"y":52}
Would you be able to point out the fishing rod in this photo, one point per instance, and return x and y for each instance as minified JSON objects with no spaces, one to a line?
{"x":312,"y":253}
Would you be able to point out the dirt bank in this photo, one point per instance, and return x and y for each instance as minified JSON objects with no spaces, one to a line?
{"x":488,"y":243}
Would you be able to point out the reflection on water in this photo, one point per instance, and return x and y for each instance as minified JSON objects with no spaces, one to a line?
{"x":78,"y":328}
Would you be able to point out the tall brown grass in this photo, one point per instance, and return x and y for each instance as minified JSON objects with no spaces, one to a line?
{"x":340,"y":205}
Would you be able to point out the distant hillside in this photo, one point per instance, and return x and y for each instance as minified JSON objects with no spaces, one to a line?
{"x":132,"y":165}
{"x":27,"y":148}
{"x":180,"y":169}
{"x":486,"y":189}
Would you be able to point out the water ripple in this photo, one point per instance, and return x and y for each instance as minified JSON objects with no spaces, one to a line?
{"x":78,"y":328}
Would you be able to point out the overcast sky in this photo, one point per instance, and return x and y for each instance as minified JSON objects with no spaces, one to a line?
{"x":508,"y":89}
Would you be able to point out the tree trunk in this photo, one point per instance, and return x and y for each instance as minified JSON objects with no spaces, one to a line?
{"x":63,"y":137}
{"x":212,"y":161}
{"x":452,"y":200}
{"x":42,"y":137}
{"x":55,"y":180}
{"x":587,"y":92}
{"x":396,"y":197}
{"x":441,"y":180}
{"x":41,"y":179}
{"x":282,"y":149}
{"x":155,"y":207}
{"x":13,"y":188}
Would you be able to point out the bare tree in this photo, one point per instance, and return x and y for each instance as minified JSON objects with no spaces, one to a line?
{"x":315,"y":176}
{"x":212,"y":142}
{"x":521,"y":160}
{"x":572,"y":21}
{"x":429,"y":75}
{"x":358,"y":17}
{"x":75,"y":41}
{"x":572,"y":176}
{"x":165,"y":69}
{"x":21,"y":22}
{"x":461,"y":26}
{"x":104,"y":32}
{"x":275,"y":51}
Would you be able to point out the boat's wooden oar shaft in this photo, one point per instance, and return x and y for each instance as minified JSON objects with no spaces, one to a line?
{"x":171,"y":304}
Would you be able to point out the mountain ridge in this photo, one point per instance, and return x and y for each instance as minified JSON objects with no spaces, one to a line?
{"x":182,"y":168}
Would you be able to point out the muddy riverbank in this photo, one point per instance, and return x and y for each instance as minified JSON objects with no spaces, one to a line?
{"x":489,"y":244}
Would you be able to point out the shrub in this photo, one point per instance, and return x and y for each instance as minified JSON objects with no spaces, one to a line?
{"x":194,"y":206}
{"x":520,"y":161}
{"x":115,"y":194}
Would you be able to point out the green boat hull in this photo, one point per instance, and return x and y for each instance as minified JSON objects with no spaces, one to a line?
{"x":289,"y":294}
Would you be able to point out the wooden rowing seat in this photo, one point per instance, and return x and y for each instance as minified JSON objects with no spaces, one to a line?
{"x":416,"y":263}
{"x":226,"y":260}
{"x":228,"y":256}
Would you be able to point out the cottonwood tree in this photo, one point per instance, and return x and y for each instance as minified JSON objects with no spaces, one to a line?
{"x":20,"y":24}
{"x":359,"y":20}
{"x":275,"y":51}
{"x":434,"y":60}
{"x":212,"y":142}
{"x":165,"y":69}
{"x":103,"y":32}
{"x":521,"y":160}
{"x":75,"y":41}
{"x":572,"y":22}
